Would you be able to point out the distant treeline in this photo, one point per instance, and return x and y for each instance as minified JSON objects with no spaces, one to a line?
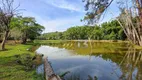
{"x":106,"y":31}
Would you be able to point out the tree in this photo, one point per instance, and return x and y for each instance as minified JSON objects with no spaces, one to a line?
{"x":97,"y":33}
{"x":95,"y":8}
{"x":1,"y":34}
{"x":29,"y":28}
{"x":16,"y":34}
{"x":7,"y":12}
{"x":130,"y":9}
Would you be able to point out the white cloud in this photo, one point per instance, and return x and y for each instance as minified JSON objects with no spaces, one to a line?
{"x":52,"y":25}
{"x":66,"y":5}
{"x":57,"y":23}
{"x":60,"y":24}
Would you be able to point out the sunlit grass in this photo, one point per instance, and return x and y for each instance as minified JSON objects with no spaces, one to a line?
{"x":15,"y":50}
{"x":10,"y":69}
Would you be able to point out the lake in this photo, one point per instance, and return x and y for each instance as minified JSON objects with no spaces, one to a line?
{"x":93,"y":60}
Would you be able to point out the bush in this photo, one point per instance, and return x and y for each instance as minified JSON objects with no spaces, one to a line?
{"x":27,"y":61}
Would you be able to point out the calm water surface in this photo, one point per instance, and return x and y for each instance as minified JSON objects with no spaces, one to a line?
{"x":102,"y":61}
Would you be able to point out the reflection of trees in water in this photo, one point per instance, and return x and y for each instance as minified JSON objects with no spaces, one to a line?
{"x":88,"y":47}
{"x":131,"y":65}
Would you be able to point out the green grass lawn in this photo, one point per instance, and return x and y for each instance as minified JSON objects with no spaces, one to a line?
{"x":15,"y":50}
{"x":10,"y":69}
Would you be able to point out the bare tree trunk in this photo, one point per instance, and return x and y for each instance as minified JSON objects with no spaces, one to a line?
{"x":4,"y":40}
{"x":7,"y":11}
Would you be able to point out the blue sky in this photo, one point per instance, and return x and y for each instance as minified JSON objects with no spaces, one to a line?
{"x":58,"y":15}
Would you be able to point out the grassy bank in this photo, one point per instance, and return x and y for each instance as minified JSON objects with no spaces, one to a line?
{"x":15,"y":61}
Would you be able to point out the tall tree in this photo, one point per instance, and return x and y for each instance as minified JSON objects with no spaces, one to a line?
{"x":29,"y":28}
{"x":95,"y":9}
{"x":7,"y":12}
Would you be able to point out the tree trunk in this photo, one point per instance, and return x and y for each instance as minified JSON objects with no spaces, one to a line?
{"x":24,"y":39}
{"x":140,"y":16}
{"x":4,"y":40}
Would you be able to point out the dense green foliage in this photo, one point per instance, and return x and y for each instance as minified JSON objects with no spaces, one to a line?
{"x":106,"y":31}
{"x":25,"y":28}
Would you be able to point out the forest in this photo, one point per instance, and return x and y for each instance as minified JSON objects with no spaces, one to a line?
{"x":106,"y":31}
